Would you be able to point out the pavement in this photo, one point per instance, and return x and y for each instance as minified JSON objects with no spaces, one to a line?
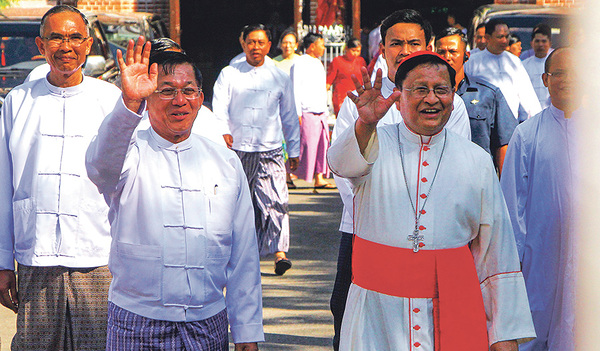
{"x":295,"y":305}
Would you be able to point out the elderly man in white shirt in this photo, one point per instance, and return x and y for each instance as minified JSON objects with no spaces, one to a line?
{"x":181,"y":217}
{"x":504,"y":70}
{"x":254,"y":100}
{"x":53,"y":222}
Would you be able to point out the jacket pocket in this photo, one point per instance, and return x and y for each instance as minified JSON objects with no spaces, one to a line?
{"x":138,"y":270}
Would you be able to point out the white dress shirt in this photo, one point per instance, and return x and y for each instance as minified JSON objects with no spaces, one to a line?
{"x":255,"y":104}
{"x":182,"y":225}
{"x":59,"y":217}
{"x":535,"y":68}
{"x":506,"y":72}
{"x":310,"y":85}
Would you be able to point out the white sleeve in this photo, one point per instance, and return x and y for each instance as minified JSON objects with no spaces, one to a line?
{"x":289,"y":120}
{"x":459,"y":119}
{"x":244,"y":292}
{"x":108,"y":151}
{"x":221,"y":100}
{"x":296,"y":77}
{"x":497,"y":263}
{"x":528,"y":99}
{"x":6,"y":190}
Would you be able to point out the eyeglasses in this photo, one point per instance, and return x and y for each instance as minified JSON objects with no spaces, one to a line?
{"x":562,"y":74}
{"x":75,"y":40}
{"x":170,"y":93}
{"x":441,"y":91}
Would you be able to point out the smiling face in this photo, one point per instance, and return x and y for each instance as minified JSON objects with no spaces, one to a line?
{"x":65,"y":60}
{"x":172,"y":119}
{"x":427,"y":115}
{"x":561,"y":81}
{"x":401,"y":40}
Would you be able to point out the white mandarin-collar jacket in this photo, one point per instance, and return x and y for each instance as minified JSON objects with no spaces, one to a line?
{"x":256,"y":103}
{"x":182,"y":224}
{"x":59,"y":217}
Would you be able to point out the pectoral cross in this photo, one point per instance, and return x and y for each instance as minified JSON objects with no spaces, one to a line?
{"x":416,"y":239}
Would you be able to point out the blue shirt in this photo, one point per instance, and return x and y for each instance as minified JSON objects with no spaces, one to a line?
{"x":492,"y":122}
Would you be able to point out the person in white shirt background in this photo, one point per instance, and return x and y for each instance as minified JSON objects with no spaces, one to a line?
{"x":254,"y":100}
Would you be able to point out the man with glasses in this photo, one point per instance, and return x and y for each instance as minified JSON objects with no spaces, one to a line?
{"x":254,"y":99}
{"x":438,"y":270}
{"x":492,"y":122}
{"x":181,"y":217}
{"x":403,"y":32}
{"x":539,"y":182}
{"x":53,"y":222}
{"x":504,"y":70}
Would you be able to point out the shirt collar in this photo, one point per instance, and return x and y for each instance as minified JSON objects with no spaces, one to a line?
{"x":165,"y":144}
{"x":420,"y":139}
{"x":68,"y":91}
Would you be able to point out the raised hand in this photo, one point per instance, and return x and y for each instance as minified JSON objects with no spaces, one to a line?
{"x":371,"y":105}
{"x":137,"y":82}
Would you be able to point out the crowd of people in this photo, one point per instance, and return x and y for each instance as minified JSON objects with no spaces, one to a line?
{"x":130,"y":210}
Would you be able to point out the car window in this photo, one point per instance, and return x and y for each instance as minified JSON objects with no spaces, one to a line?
{"x":17,"y":46}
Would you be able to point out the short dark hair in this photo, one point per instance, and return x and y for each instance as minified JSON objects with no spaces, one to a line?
{"x":491,"y":25}
{"x":406,"y":16}
{"x":426,"y":58}
{"x":169,"y":59}
{"x":480,"y":25}
{"x":353,"y":43}
{"x":543,"y":29}
{"x":253,"y":28}
{"x":310,"y":38}
{"x":162,"y":44}
{"x":450,"y":31}
{"x":63,"y":8}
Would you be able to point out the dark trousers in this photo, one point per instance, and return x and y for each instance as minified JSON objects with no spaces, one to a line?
{"x":343,"y":278}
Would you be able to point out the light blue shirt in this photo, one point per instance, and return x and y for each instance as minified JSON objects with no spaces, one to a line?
{"x":537,"y":182}
{"x":182,"y":225}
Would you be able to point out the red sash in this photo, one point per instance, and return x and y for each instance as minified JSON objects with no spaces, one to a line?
{"x":446,"y":275}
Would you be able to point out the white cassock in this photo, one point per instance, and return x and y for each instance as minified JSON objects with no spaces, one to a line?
{"x":465,"y":205}
{"x":458,"y":123}
{"x":537,"y":180}
{"x":507,"y":73}
{"x":535,"y":68}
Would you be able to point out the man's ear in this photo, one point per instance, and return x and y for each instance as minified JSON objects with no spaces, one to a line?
{"x":40,"y":44}
{"x":382,"y":49}
{"x":467,"y":56}
{"x":545,"y":79}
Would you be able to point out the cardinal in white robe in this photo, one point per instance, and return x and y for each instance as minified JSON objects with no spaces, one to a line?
{"x":435,"y":264}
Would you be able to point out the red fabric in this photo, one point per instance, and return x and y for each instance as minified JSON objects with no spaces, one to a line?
{"x":326,"y":12}
{"x":448,"y":275}
{"x":338,"y":75}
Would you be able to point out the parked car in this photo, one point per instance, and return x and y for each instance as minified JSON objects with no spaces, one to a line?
{"x":120,"y":27}
{"x":19,"y":54}
{"x":521,"y":20}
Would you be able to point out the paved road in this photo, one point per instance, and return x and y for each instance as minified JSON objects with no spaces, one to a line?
{"x":296,"y":305}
